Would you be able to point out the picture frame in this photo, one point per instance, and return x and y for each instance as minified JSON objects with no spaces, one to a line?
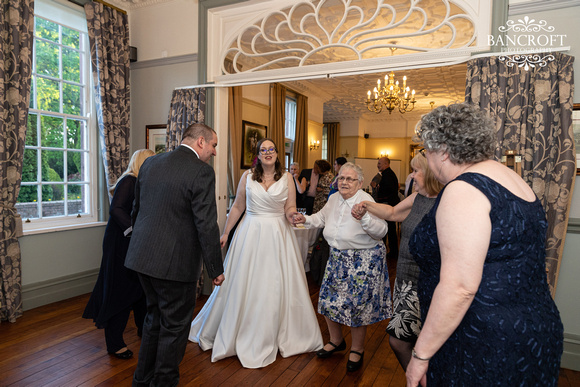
{"x":251,"y":134}
{"x":576,"y":130}
{"x":156,"y":138}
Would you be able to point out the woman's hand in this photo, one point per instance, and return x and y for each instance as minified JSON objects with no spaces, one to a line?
{"x":223,"y":240}
{"x":298,"y":219}
{"x":359,"y":210}
{"x":417,"y":373}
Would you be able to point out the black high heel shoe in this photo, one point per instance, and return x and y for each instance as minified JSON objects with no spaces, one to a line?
{"x":323,"y":353}
{"x":355,"y":365}
{"x":123,"y":355}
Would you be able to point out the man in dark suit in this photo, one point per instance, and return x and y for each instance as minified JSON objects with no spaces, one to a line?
{"x":388,"y":193}
{"x":174,"y":227}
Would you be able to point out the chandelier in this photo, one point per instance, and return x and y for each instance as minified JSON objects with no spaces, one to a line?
{"x":391,"y":96}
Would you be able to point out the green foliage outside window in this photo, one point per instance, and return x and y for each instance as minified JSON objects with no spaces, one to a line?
{"x":56,"y":124}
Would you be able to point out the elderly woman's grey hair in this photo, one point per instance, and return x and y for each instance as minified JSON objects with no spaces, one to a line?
{"x":462,"y":130}
{"x":296,"y":164}
{"x":355,"y":168}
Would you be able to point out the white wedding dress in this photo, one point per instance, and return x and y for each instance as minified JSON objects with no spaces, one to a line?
{"x":264,"y":305}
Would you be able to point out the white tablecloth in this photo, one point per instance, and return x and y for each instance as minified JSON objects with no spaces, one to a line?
{"x":306,"y":238}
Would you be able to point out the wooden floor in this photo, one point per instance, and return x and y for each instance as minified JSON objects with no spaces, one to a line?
{"x":53,"y":346}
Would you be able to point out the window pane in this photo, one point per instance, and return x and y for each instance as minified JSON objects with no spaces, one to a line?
{"x":27,"y":205}
{"x":32,"y":99}
{"x":75,"y":130}
{"x":47,"y":58}
{"x":48,"y":95}
{"x":53,"y":204}
{"x":71,"y":98}
{"x":51,"y":132}
{"x":74,"y":166}
{"x":52,"y":166}
{"x":29,"y":166}
{"x":46,"y":29}
{"x":71,"y":65}
{"x":70,"y":37}
{"x":77,"y":198}
{"x":31,"y":131}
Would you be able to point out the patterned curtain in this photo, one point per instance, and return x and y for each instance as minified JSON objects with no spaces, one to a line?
{"x":533,"y":108}
{"x":187,"y":107}
{"x":109,"y":44}
{"x":235,"y":123}
{"x":301,"y":143}
{"x":16,"y":39}
{"x":333,"y":133}
{"x":278,"y":118}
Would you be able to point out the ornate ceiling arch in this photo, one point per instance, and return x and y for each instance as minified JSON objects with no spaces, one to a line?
{"x":277,"y":38}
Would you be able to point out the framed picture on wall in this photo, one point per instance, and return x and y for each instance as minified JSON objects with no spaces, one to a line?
{"x":576,"y":128}
{"x":251,"y":134}
{"x":155,"y":138}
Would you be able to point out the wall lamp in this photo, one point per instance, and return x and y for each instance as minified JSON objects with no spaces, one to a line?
{"x":314,"y":145}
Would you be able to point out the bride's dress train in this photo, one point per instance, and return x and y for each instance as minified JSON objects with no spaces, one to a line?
{"x":263,"y":306}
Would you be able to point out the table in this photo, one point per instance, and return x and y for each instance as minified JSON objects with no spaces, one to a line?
{"x":306,"y":238}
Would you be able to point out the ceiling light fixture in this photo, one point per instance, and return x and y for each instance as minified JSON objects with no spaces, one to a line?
{"x":391,"y":96}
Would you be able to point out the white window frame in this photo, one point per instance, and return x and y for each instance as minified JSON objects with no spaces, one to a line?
{"x":72,"y":16}
{"x":290,"y":126}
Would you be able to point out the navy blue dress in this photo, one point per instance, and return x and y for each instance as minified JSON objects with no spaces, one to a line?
{"x":512,"y":334}
{"x":117,"y":288}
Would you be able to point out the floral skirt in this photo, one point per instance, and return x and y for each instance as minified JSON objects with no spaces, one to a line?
{"x":406,"y":321}
{"x":355,"y":290}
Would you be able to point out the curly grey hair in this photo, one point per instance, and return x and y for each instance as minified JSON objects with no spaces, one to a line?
{"x":462,"y":130}
{"x":354,"y":167}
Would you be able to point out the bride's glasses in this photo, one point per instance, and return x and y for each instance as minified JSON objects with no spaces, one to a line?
{"x":265,"y":151}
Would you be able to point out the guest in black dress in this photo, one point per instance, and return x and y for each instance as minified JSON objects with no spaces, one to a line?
{"x":118,"y":290}
{"x":488,"y":316}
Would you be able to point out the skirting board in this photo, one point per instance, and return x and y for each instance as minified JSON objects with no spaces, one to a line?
{"x":571,"y":355}
{"x":58,"y":289}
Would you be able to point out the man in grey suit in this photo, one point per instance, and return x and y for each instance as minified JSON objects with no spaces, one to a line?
{"x":174,"y":227}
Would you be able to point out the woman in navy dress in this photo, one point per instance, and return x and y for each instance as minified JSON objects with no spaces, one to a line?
{"x":488,"y":316}
{"x":118,"y":290}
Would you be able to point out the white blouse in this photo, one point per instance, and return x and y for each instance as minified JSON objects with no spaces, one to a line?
{"x":341,"y":230}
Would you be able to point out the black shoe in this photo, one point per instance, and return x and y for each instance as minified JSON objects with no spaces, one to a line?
{"x":355,"y":365}
{"x":323,"y":353}
{"x":123,"y":355}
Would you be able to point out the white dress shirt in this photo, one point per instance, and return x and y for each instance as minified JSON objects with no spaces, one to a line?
{"x":341,"y":230}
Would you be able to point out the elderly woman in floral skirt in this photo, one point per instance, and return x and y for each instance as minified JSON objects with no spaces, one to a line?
{"x":355,"y":291}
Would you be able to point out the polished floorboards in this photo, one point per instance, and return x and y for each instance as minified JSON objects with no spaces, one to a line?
{"x":53,"y":346}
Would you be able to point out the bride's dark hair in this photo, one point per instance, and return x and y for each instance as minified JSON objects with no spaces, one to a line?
{"x":258,"y":170}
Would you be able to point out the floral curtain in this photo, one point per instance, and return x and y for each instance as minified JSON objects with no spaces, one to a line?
{"x":301,"y":142}
{"x":278,"y":118}
{"x":16,"y":40}
{"x":333,"y":133}
{"x":109,"y":45}
{"x":187,"y":107}
{"x":533,"y":111}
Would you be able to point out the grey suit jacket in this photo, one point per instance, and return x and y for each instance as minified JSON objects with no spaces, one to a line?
{"x":175,"y":218}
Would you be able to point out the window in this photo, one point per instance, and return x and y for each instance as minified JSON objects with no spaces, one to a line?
{"x":290,"y":130}
{"x":58,"y":186}
{"x":325,"y":142}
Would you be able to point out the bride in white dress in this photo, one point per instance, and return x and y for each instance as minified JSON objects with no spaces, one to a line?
{"x":264,"y":305}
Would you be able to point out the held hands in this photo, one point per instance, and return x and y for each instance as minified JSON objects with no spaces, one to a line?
{"x":359,"y":210}
{"x":298,"y":219}
{"x":217,"y":281}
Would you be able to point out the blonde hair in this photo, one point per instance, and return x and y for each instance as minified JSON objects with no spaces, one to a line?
{"x":432,"y":185}
{"x":134,"y":165}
